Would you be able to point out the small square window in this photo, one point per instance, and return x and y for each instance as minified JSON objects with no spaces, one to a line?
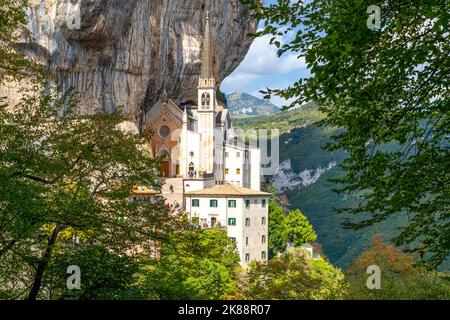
{"x":247,"y":257}
{"x":233,"y":239}
{"x":227,"y":171}
{"x":231,"y":221}
{"x":231,"y":203}
{"x":263,"y":255}
{"x":247,"y":204}
{"x":238,"y":171}
{"x":195,"y":202}
{"x":247,"y":222}
{"x":213,"y":203}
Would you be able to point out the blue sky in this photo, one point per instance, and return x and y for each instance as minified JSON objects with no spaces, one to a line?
{"x":262,"y":68}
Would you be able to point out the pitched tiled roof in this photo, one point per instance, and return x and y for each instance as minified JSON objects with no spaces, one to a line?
{"x":144,"y":191}
{"x":227,"y":190}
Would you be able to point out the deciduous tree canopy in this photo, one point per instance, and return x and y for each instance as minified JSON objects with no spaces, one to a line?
{"x":389,"y":90}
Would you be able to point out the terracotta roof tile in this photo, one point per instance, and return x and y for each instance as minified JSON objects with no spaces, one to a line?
{"x":140,"y":191}
{"x":227,"y":190}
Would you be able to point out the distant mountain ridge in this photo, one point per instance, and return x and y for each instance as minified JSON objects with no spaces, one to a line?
{"x":240,"y":103}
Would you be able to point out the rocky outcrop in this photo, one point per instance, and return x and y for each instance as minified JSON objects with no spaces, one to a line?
{"x":285,"y":179}
{"x":126,"y":52}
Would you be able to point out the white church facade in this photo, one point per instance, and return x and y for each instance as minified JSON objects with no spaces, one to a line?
{"x":207,"y":170}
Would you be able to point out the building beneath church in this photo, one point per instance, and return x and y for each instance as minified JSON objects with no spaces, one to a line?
{"x":206,"y":169}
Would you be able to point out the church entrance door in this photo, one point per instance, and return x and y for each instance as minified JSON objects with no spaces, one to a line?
{"x":165,"y":168}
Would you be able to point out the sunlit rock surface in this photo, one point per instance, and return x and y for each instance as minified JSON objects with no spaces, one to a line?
{"x":128,"y":51}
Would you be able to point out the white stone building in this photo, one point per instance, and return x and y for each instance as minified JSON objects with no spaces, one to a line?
{"x":202,"y":157}
{"x":242,"y":211}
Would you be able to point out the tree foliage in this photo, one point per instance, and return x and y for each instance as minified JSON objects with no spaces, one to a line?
{"x":277,"y":241}
{"x":104,"y":274}
{"x":400,"y":278}
{"x":383,"y":87}
{"x":12,"y":62}
{"x":284,"y":227}
{"x":294,"y":276}
{"x":65,"y":173}
{"x":298,"y":230}
{"x":197,"y":264}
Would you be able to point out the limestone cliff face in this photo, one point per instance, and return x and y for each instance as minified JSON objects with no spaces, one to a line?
{"x":127,"y":51}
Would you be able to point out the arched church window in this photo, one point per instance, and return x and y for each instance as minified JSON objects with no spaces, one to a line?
{"x":206,"y":99}
{"x":164,"y":131}
{"x":191,"y":171}
{"x":165,"y":155}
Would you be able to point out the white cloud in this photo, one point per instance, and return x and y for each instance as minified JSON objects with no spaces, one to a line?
{"x":263,"y":68}
{"x":262,"y":59}
{"x":237,"y":80}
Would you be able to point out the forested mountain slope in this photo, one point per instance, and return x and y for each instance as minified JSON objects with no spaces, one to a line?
{"x":304,"y":176}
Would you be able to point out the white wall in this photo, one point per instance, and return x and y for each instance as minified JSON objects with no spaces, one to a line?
{"x":255,"y":169}
{"x":193,"y":145}
{"x":191,"y":185}
{"x":240,"y":231}
{"x":256,"y":229}
{"x":233,"y":162}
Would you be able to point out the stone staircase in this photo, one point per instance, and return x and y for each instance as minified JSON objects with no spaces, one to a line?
{"x":177,"y":194}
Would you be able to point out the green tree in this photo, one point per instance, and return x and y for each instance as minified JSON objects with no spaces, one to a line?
{"x":383,"y":87}
{"x":12,"y":62}
{"x":297,"y":229}
{"x":400,"y":277}
{"x":286,"y":227}
{"x":61,"y":172}
{"x":198,"y":264}
{"x":294,"y":276}
{"x":104,"y":274}
{"x":277,"y":240}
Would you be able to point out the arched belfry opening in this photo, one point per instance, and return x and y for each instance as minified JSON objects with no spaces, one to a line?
{"x":206,"y":100}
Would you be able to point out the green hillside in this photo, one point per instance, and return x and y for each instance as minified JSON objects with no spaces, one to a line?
{"x":285,"y":121}
{"x":302,"y":142}
{"x":244,"y":104}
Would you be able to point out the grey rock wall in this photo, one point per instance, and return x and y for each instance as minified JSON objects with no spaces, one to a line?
{"x":127,"y":51}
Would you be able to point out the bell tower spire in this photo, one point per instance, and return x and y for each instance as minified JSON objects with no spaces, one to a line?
{"x":207,"y":66}
{"x":207,"y":73}
{"x":207,"y":103}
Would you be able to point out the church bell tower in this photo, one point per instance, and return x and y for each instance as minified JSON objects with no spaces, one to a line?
{"x":207,"y":104}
